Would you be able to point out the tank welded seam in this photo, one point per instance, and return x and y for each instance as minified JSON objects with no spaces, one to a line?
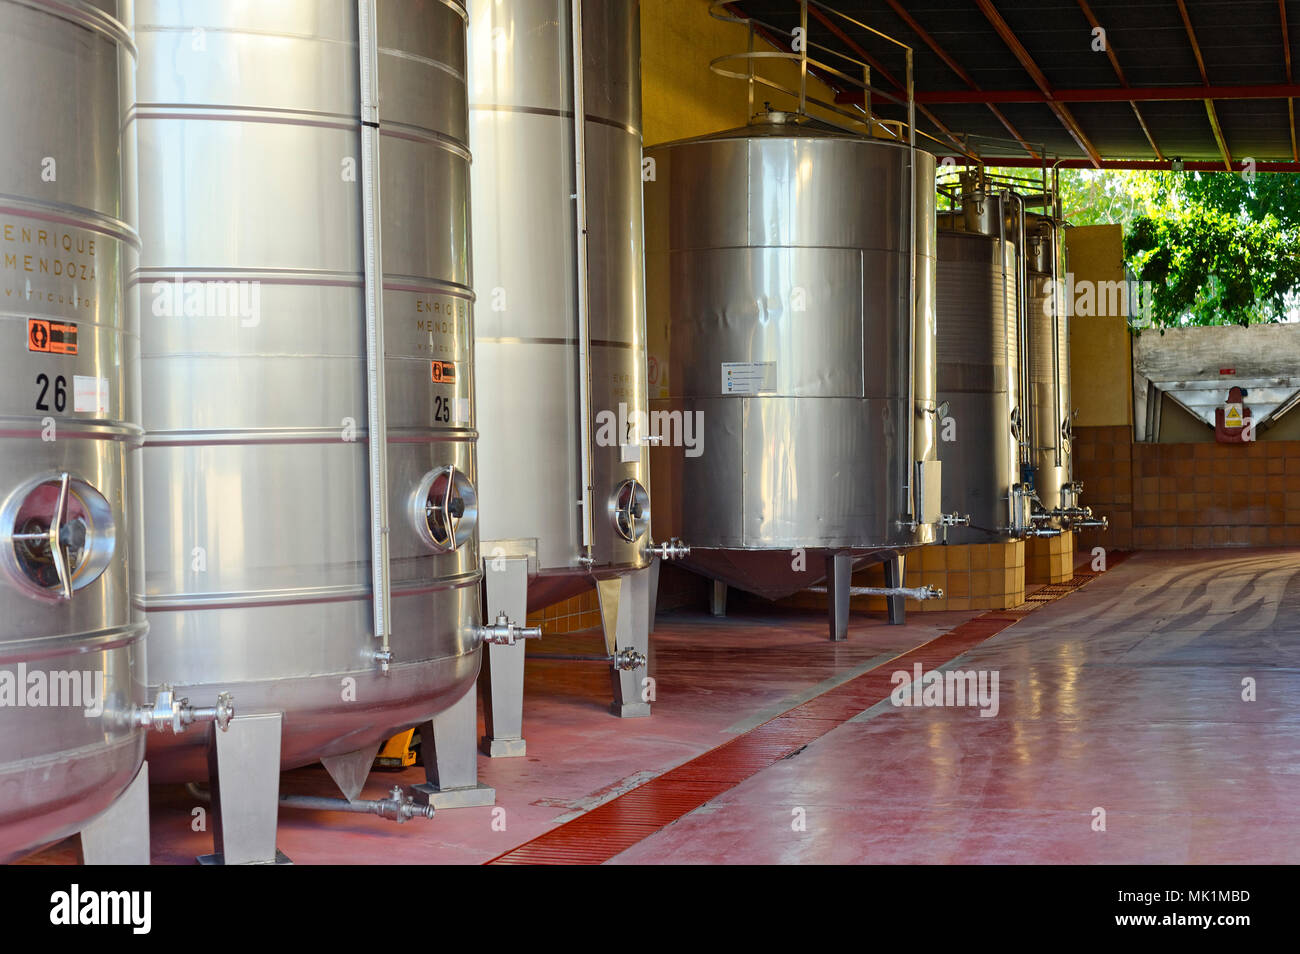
{"x":266,"y":275}
{"x":73,"y":644}
{"x":84,"y":15}
{"x":290,"y":438}
{"x":422,"y":134}
{"x":598,"y":342}
{"x":73,"y":216}
{"x":423,"y":61}
{"x":248,"y":114}
{"x":179,"y":603}
{"x":547,"y":111}
{"x":124,"y":433}
{"x":418,"y":283}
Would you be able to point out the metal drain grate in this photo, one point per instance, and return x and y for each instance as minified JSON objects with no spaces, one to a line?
{"x":620,"y":823}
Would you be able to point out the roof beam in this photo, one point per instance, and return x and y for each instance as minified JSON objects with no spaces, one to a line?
{"x":1119,"y":72}
{"x":1286,"y":50}
{"x":1040,"y":79}
{"x":1139,"y":94}
{"x":956,"y":68}
{"x":1020,"y":162}
{"x":1205,"y":81}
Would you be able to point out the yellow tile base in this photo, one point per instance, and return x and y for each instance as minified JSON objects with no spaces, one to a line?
{"x":976,"y":576}
{"x":1050,"y":559}
{"x":577,"y":613}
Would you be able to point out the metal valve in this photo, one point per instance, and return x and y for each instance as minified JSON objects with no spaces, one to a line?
{"x":505,"y":633}
{"x":400,"y":807}
{"x":954,"y":520}
{"x":168,"y":712}
{"x":674,"y":549}
{"x":626,"y":660}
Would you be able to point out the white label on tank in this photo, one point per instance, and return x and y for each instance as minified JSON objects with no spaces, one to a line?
{"x":90,"y":394}
{"x":462,"y":410}
{"x":748,"y":377}
{"x":630,"y":453}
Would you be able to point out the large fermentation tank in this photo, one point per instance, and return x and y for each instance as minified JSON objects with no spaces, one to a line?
{"x":1048,"y":356}
{"x":979,"y":371}
{"x":801,"y":335}
{"x":260,"y":576}
{"x":560,"y":337}
{"x":529,"y":328}
{"x":71,"y":644}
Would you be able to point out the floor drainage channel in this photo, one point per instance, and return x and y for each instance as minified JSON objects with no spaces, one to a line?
{"x":614,"y":826}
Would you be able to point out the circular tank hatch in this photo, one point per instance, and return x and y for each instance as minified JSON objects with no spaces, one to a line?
{"x":56,"y":536}
{"x":630,"y":510}
{"x":446,"y":509}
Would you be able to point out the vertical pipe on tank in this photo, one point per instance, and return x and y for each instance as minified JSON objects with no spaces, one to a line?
{"x":372,"y":252}
{"x":1058,"y":399}
{"x":584,"y":318}
{"x":913,"y":478}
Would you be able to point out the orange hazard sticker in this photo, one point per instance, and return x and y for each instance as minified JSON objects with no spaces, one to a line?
{"x":51,"y":337}
{"x":444,"y":372}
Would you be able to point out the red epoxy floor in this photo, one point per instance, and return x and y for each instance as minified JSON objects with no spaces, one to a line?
{"x":1124,"y":696}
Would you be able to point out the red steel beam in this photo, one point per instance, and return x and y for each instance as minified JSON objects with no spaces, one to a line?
{"x":1286,"y":50}
{"x":1139,"y":94}
{"x":1020,"y":162}
{"x":1119,"y":72}
{"x":956,"y":68}
{"x":1040,"y":79}
{"x":1205,"y":81}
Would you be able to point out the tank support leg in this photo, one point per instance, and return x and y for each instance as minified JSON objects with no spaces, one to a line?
{"x":451,"y":760}
{"x":894,"y":577}
{"x":718,"y":598}
{"x":244,"y":769}
{"x":654,"y":590}
{"x":625,"y":615}
{"x":839,"y":576}
{"x":502,"y":676}
{"x":120,"y":834}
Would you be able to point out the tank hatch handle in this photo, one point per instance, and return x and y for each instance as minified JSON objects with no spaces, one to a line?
{"x":53,"y":538}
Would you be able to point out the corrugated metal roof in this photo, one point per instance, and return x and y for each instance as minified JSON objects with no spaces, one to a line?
{"x":1241,"y":44}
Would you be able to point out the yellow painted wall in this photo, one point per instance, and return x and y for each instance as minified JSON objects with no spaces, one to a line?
{"x":681,"y":97}
{"x":1101,"y":355}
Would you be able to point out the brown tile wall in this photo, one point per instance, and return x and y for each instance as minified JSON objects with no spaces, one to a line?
{"x":573,"y":615}
{"x":1178,"y":496}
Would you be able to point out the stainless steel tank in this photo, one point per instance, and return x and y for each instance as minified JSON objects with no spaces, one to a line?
{"x":801,"y":335}
{"x":560,"y":334}
{"x":979,"y":371}
{"x":259,"y":485}
{"x":72,"y":644}
{"x":1048,"y":355}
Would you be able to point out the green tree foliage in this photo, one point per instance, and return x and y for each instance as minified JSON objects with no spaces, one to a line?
{"x":1218,"y":248}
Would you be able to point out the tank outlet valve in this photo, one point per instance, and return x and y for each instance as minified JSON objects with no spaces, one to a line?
{"x":674,"y":549}
{"x":1043,"y":532}
{"x":927,"y":592}
{"x":1100,"y":523}
{"x":401,"y":807}
{"x":384,"y":657}
{"x":505,"y":633}
{"x":168,"y":712}
{"x":625,"y":660}
{"x":954,"y":520}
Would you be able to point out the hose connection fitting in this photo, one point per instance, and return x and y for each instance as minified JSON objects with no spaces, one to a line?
{"x":168,"y":712}
{"x":505,"y":633}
